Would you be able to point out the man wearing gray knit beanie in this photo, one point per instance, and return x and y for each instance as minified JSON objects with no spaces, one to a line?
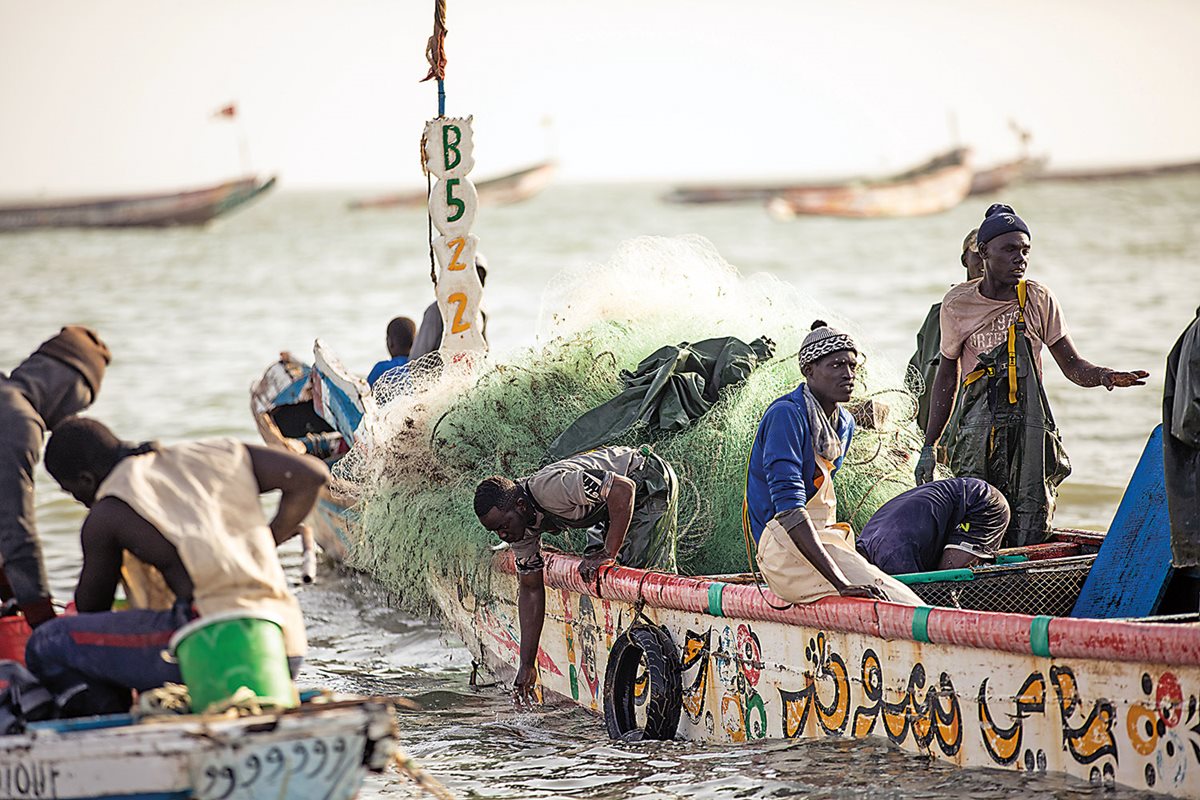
{"x":790,"y":509}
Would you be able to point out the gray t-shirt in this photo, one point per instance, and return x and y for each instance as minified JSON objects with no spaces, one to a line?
{"x":572,"y":489}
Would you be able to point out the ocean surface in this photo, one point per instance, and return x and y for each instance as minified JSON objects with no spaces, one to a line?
{"x":194,"y":316}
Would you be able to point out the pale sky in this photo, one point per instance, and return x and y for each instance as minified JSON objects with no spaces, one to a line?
{"x":113,"y":95}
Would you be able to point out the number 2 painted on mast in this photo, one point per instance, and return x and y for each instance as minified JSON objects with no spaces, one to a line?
{"x":460,"y":300}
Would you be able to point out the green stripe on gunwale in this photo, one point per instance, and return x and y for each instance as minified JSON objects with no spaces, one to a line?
{"x":715,"y":592}
{"x":1039,"y":636}
{"x":920,"y":623}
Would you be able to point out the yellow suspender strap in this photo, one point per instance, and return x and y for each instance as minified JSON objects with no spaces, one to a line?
{"x":1012,"y":344}
{"x":974,"y":376}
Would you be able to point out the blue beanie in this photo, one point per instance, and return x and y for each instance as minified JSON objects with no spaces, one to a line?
{"x":1000,"y":219}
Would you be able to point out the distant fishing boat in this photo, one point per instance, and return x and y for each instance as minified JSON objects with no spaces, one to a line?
{"x":1120,"y":173}
{"x":937,"y":185}
{"x":504,"y":190}
{"x":163,"y":209}
{"x":1003,"y":175}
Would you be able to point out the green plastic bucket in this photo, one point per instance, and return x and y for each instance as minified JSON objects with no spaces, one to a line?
{"x":221,"y":653}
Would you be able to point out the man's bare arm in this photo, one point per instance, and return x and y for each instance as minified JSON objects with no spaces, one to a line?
{"x":620,"y":500}
{"x":1082,"y":372}
{"x":531,"y":609}
{"x":299,"y":478}
{"x":102,"y":555}
{"x":941,"y":398}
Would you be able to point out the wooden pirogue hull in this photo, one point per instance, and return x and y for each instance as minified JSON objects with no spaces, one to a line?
{"x":194,"y":207}
{"x":310,"y":753}
{"x":1003,"y":175}
{"x":503,"y":190}
{"x":932,"y":188}
{"x":1105,"y":701}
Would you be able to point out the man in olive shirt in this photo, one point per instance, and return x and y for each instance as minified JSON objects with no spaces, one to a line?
{"x":626,"y":499}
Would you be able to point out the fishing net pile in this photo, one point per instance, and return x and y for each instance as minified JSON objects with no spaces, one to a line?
{"x":444,"y":427}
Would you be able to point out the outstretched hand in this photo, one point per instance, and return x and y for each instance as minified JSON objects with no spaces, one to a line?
{"x":1112,"y":378}
{"x":524,"y":692}
{"x":589,"y":565}
{"x":867,"y":590}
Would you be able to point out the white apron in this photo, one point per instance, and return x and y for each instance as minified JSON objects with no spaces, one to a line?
{"x":793,"y":577}
{"x":204,"y":499}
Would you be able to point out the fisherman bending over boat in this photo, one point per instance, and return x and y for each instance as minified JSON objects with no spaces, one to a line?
{"x":429,"y":335}
{"x":790,"y":506}
{"x":946,"y":524}
{"x":929,"y":338}
{"x":1181,"y":446}
{"x":400,"y":334}
{"x":1002,"y":429}
{"x":627,"y":501}
{"x":192,"y":512}
{"x":60,"y":379}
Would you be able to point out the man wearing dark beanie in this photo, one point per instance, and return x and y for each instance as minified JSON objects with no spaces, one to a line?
{"x":992,"y":332}
{"x":60,"y":379}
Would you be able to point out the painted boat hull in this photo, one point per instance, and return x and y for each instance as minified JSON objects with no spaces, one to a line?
{"x":311,"y":753}
{"x":193,"y":207}
{"x":503,"y":190}
{"x":1107,"y":702}
{"x":1002,"y":176}
{"x":939,"y":185}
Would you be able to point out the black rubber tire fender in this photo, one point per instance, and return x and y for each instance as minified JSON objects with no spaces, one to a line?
{"x":665,"y":691}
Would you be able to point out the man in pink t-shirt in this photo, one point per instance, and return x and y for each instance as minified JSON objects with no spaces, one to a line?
{"x":976,"y":316}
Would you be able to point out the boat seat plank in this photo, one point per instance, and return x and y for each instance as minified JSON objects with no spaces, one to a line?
{"x":1133,"y":566}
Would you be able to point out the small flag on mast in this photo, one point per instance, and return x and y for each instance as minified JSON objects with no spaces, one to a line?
{"x":226,"y":112}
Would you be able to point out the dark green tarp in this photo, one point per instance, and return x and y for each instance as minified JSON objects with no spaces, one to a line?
{"x":670,"y":388}
{"x":925,"y":361}
{"x":1014,"y":447}
{"x":1181,"y":446}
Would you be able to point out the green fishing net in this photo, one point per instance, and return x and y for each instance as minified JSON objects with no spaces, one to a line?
{"x":445,"y":427}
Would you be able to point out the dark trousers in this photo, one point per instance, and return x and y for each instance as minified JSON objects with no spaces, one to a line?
{"x":95,"y":660}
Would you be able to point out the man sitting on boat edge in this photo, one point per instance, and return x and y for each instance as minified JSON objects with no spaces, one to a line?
{"x":625,"y":498}
{"x":192,"y":512}
{"x":790,"y":508}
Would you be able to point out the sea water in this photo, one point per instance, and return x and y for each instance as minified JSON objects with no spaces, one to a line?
{"x":194,"y":316}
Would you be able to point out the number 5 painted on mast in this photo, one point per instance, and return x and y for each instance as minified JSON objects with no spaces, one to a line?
{"x":453,"y":207}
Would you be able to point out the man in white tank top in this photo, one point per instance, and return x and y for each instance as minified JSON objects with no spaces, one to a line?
{"x":191,"y":511}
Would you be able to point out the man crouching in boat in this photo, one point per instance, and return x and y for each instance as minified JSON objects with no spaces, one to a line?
{"x":626,"y":499}
{"x":192,"y":512}
{"x":790,"y":507}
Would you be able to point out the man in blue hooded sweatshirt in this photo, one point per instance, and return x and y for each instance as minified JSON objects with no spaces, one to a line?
{"x":790,"y":506}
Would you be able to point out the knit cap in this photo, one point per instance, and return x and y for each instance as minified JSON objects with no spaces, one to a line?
{"x":999,"y":220}
{"x":82,"y":349}
{"x":822,"y":341}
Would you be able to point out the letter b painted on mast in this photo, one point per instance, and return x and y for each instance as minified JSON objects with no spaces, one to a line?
{"x":449,"y":147}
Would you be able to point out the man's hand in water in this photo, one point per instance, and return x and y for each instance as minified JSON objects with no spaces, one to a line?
{"x":589,"y":565}
{"x":925,"y":464}
{"x":869,"y":591}
{"x":525,"y":688}
{"x":1111,"y":378}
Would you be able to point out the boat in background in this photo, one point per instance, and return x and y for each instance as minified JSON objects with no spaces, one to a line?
{"x":285,"y":409}
{"x":937,"y":185}
{"x":1004,"y":175}
{"x":157,"y":210}
{"x":1121,"y":173}
{"x":504,"y":190}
